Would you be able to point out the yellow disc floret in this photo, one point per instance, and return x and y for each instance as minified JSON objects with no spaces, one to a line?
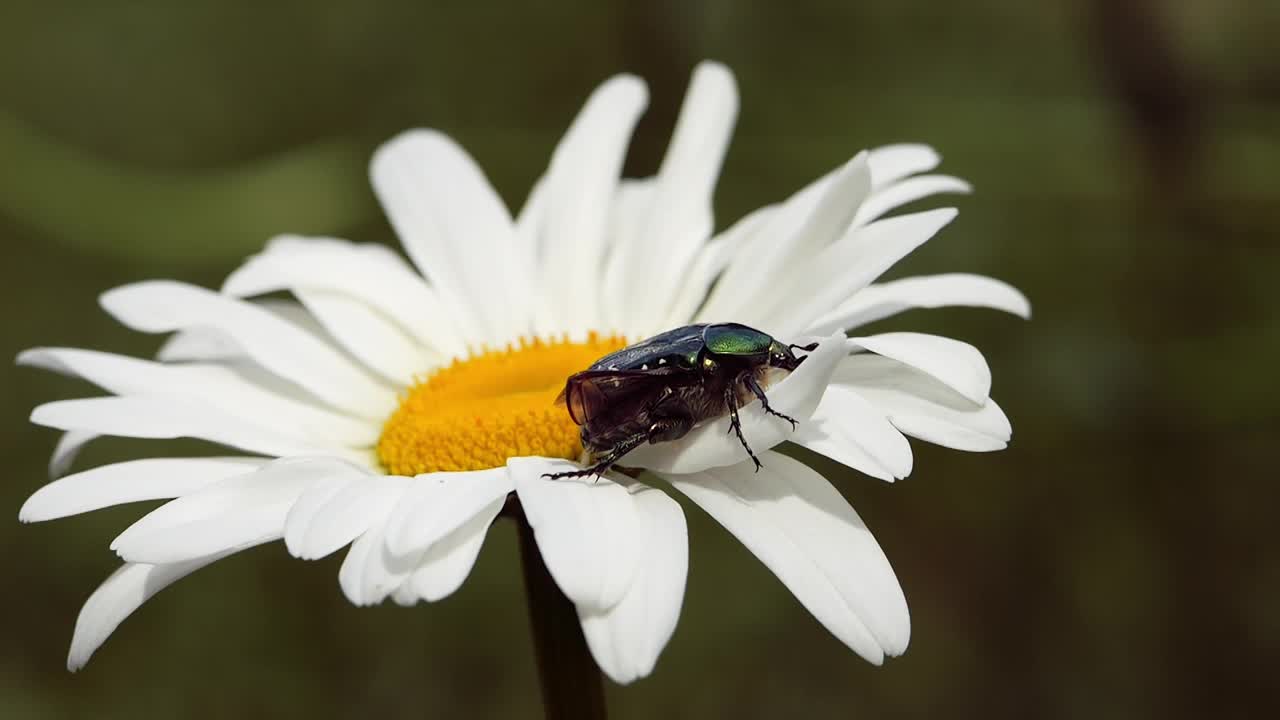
{"x":498,"y":404}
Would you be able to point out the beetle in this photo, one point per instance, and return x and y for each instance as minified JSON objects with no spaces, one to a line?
{"x":658,"y":389}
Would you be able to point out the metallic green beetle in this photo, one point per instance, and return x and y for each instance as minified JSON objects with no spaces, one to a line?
{"x":659,"y":389}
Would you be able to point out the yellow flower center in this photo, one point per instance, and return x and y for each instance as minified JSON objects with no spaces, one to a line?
{"x":478,"y":412}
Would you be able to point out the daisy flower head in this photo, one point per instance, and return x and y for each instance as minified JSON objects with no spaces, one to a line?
{"x":397,"y":404}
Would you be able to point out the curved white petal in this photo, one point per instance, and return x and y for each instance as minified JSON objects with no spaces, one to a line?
{"x":219,"y":386}
{"x":588,"y":530}
{"x":370,"y":336}
{"x":370,"y":572}
{"x":455,"y":228}
{"x":804,"y":531}
{"x":119,"y":595}
{"x":891,"y":163}
{"x":922,"y":407}
{"x":580,"y":186}
{"x":843,"y":268}
{"x":166,"y":418}
{"x":449,"y":560}
{"x":630,"y":207}
{"x":199,"y":343}
{"x":785,"y":242}
{"x":711,"y":260}
{"x":439,"y":503}
{"x":850,"y":430}
{"x":627,"y":638}
{"x":300,"y":520}
{"x":836,"y":208}
{"x":245,"y":509}
{"x":131,"y":481}
{"x":958,"y":365}
{"x":891,"y":197}
{"x":370,"y":273}
{"x":65,"y":452}
{"x":206,"y":343}
{"x":679,"y":218}
{"x":345,"y":515}
{"x":710,"y":445}
{"x":876,"y":302}
{"x":165,"y":306}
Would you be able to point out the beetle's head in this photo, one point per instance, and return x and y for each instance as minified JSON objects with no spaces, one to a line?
{"x":784,"y":356}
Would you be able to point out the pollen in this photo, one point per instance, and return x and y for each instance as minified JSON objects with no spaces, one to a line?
{"x":497,"y":404}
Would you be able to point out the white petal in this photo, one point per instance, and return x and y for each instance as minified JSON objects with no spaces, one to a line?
{"x":164,"y":418}
{"x":279,"y":346}
{"x":370,"y":273}
{"x":245,"y":509}
{"x":843,"y":268}
{"x":65,"y":452}
{"x":876,"y":302}
{"x":627,"y":638}
{"x":836,"y":209}
{"x":894,"y":196}
{"x":318,"y":495}
{"x":370,"y":573}
{"x":384,"y":572}
{"x":370,"y":336}
{"x":891,"y":163}
{"x":710,"y":445}
{"x":219,"y":386}
{"x":580,"y":185}
{"x":679,"y":220}
{"x":588,"y":530}
{"x":131,"y":481}
{"x":349,"y":513}
{"x":632,"y":202}
{"x":786,"y":243}
{"x":852,"y":431}
{"x":711,"y":260}
{"x":204,"y":343}
{"x":449,"y":560}
{"x":923,"y":407}
{"x":454,"y":227}
{"x":958,"y":365}
{"x":118,"y":596}
{"x":803,"y":530}
{"x":439,"y":503}
{"x":199,"y":343}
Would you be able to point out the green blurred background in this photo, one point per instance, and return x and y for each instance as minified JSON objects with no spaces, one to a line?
{"x":1119,"y":560}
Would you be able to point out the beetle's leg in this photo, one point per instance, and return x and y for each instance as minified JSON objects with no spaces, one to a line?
{"x":669,"y":428}
{"x":754,"y":387}
{"x":735,"y":425}
{"x":615,"y":454}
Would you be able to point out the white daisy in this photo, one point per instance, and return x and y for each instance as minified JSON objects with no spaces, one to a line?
{"x":406,"y":400}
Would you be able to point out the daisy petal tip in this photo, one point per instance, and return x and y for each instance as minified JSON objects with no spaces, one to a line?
{"x":717,"y":73}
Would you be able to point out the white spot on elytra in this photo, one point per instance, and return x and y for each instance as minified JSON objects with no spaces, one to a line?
{"x":662,"y":361}
{"x":645,"y":366}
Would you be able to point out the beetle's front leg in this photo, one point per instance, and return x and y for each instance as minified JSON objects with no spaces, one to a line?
{"x":750,"y":381}
{"x":735,"y":425}
{"x":631,"y":442}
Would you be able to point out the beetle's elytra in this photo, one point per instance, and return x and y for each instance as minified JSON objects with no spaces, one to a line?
{"x":658,"y":389}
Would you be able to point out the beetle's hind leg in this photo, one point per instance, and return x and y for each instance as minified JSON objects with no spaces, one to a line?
{"x":754,"y":386}
{"x":735,"y":425}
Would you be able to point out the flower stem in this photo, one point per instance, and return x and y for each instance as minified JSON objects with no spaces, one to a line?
{"x":572,"y":686}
